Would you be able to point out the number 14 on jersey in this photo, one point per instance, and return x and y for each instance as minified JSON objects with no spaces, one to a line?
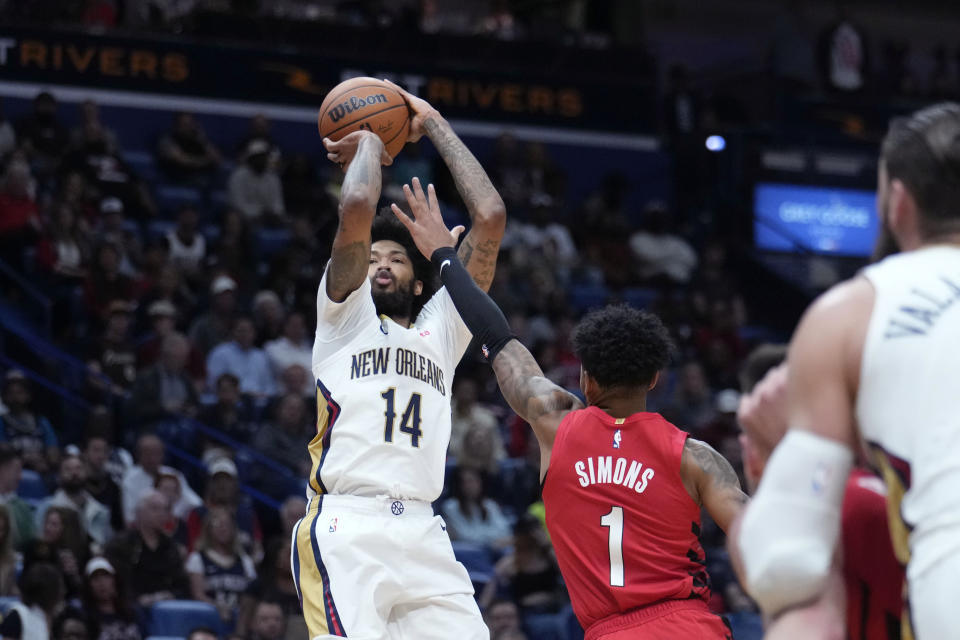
{"x":409,"y":422}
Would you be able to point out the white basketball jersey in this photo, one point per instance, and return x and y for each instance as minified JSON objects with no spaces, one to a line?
{"x":908,"y":405}
{"x":383,"y":397}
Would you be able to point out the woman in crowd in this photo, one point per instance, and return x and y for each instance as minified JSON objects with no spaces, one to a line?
{"x":62,"y":544}
{"x":473,"y":517}
{"x":529,"y":574}
{"x":219,"y":570}
{"x":8,"y":558}
{"x":104,"y":605}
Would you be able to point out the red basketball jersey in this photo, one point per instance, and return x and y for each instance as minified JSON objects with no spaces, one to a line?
{"x":624,"y":528}
{"x":873,"y":576}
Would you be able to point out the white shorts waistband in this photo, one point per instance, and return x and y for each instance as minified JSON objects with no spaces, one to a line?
{"x":381,"y":505}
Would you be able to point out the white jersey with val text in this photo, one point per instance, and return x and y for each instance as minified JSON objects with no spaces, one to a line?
{"x":383,"y":397}
{"x":908,"y":405}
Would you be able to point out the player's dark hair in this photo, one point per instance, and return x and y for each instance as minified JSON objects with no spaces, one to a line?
{"x":763,"y":358}
{"x":923,"y":151}
{"x":622,"y":347}
{"x":387,"y":227}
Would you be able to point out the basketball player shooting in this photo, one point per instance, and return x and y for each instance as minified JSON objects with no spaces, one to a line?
{"x":624,"y":487}
{"x":370,"y":559}
{"x":874,"y":360}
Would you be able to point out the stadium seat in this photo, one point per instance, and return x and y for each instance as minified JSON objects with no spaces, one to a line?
{"x":543,"y":626}
{"x":143,"y":164}
{"x":570,"y":626}
{"x":170,"y":197}
{"x":32,"y":486}
{"x":270,"y":241}
{"x":746,"y":625}
{"x":639,"y":297}
{"x":475,"y":557}
{"x":6,"y":602}
{"x":175,"y":618}
{"x":587,"y":296}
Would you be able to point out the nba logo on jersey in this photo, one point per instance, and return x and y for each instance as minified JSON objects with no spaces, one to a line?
{"x":333,"y":525}
{"x":616,"y":439}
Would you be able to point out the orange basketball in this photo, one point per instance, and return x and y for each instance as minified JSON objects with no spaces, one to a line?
{"x":365,"y":103}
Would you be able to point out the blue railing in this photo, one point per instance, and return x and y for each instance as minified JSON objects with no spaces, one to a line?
{"x":43,"y":303}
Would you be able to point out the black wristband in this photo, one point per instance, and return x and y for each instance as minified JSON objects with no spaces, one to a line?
{"x":479,"y":312}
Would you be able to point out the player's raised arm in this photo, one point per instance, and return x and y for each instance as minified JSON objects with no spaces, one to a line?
{"x":488,"y":216}
{"x":360,"y":154}
{"x":712,"y":482}
{"x":534,"y":397}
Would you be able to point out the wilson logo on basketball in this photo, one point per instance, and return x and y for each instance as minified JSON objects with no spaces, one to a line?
{"x":354,"y":103}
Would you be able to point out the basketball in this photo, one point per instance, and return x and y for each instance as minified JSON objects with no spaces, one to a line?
{"x":365,"y":103}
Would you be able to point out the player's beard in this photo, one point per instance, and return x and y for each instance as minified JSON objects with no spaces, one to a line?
{"x":395,"y":304}
{"x":886,"y":243}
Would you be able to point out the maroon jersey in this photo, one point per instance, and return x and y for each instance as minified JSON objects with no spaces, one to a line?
{"x":873,"y":576}
{"x":624,"y":528}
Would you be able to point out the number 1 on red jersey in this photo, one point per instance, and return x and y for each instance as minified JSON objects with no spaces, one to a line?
{"x":614,"y":521}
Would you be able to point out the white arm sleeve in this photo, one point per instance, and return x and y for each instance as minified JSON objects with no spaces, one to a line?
{"x":792,"y":525}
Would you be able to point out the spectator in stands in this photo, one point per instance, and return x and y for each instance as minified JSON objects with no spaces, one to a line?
{"x":259,"y":129}
{"x":170,"y":286}
{"x":106,"y":283}
{"x":231,"y":414}
{"x":62,"y":544}
{"x":96,"y":453}
{"x":8,"y":137}
{"x":529,"y":572}
{"x":303,"y":192}
{"x":114,"y":354}
{"x":502,"y":616}
{"x":468,"y":416}
{"x":219,"y":569}
{"x":168,"y":484}
{"x":285,"y":438}
{"x":274,"y":583}
{"x":71,"y":624}
{"x":185,"y":154}
{"x":188,"y":247}
{"x":268,"y":621}
{"x":64,"y":249}
{"x":232,"y":250}
{"x":112,"y":228}
{"x":243,"y":359}
{"x":101,"y":423}
{"x":42,"y":135}
{"x":162,"y":317}
{"x":215,"y":326}
{"x":8,"y":557}
{"x":473,"y":517}
{"x":661,"y":256}
{"x":254,"y":187}
{"x":482,"y":449}
{"x":140,"y":480}
{"x":41,"y":593}
{"x":90,"y":118}
{"x":268,"y":316}
{"x":692,"y":407}
{"x":291,"y":511}
{"x":29,"y":433}
{"x":147,"y":560}
{"x":202,"y":633}
{"x":20,"y":512}
{"x":292,"y":348}
{"x":19,"y":215}
{"x":223,"y":492}
{"x":94,"y":517}
{"x":164,"y":391}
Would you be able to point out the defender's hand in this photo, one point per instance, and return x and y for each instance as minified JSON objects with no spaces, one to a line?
{"x":427,"y":227}
{"x":343,"y":150}
{"x":420,"y":111}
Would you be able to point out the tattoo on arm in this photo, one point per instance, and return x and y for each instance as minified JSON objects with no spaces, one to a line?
{"x":472,"y":181}
{"x":479,"y":249}
{"x":527,"y":391}
{"x":714,"y":468}
{"x":358,"y":202}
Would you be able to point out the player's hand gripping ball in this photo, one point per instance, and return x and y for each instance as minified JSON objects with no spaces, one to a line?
{"x":365,"y":104}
